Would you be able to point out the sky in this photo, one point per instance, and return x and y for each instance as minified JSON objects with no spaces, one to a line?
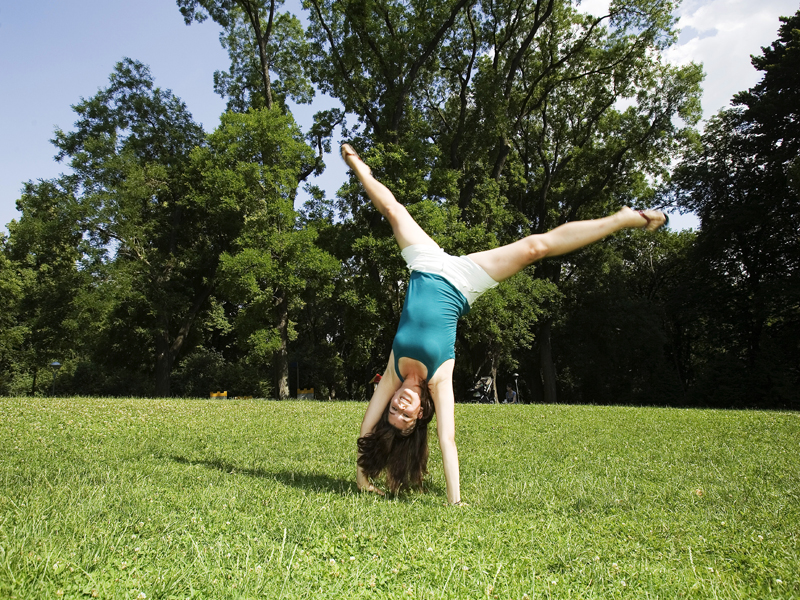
{"x":53,"y":53}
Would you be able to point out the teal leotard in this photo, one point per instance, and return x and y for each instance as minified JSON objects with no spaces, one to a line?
{"x":427,"y":330}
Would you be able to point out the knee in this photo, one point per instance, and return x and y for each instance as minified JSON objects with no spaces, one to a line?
{"x":447,"y":441}
{"x":394,"y":211}
{"x":536,"y":248}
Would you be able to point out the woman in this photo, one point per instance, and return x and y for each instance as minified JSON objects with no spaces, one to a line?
{"x":419,"y":375}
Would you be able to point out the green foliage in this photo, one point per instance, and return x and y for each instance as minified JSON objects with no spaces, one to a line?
{"x":205,"y":371}
{"x":241,"y":499}
{"x":130,"y":153}
{"x":242,"y":84}
{"x":507,"y":114}
{"x":739,"y":181}
{"x":637,"y":351}
{"x":260,"y":42}
{"x":499,"y":328}
{"x":251,"y":168}
{"x":169,"y":257}
{"x":11,"y":331}
{"x":53,"y":268}
{"x":772,"y":105}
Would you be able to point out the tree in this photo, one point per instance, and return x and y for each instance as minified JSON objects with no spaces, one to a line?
{"x":498,"y":328}
{"x":260,"y":42}
{"x":55,"y":267}
{"x":572,"y":158}
{"x":12,"y":331}
{"x":261,"y":17}
{"x":255,"y":28}
{"x":251,"y":166}
{"x":772,"y":106}
{"x":738,"y":180}
{"x":130,"y":154}
{"x":627,"y":331}
{"x":263,"y":42}
{"x":506,"y":114}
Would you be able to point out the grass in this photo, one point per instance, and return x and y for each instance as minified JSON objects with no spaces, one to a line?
{"x":131,"y":498}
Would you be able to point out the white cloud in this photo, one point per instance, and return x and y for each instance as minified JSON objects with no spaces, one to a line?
{"x":595,"y":7}
{"x":722,"y":35}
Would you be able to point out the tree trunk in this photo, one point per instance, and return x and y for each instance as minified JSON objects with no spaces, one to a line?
{"x":282,"y":355}
{"x":550,"y":270}
{"x":163,"y":362}
{"x":678,"y":357}
{"x":546,"y":366}
{"x":503,"y":150}
{"x":494,"y":380}
{"x":262,"y":39}
{"x":33,"y":383}
{"x":755,"y":325}
{"x":536,"y":388}
{"x":166,"y":351}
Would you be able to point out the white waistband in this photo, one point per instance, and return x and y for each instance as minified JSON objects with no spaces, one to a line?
{"x":467,"y":276}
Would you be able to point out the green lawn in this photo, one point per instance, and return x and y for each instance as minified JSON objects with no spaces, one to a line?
{"x":153,"y":499}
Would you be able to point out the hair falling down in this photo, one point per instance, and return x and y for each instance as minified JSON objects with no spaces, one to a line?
{"x":403,"y":457}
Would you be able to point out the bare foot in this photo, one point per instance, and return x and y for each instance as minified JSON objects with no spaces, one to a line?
{"x":352,"y":159}
{"x":653,"y":219}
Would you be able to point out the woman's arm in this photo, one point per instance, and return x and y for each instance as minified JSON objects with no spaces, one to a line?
{"x":444,"y":399}
{"x":386,"y":388}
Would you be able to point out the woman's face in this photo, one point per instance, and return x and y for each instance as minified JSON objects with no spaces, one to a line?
{"x":405,"y":408}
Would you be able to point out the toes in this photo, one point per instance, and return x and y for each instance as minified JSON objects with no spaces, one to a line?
{"x":656,"y":219}
{"x":353,"y":160}
{"x":349,"y":155}
{"x":660,"y":219}
{"x":653,"y":219}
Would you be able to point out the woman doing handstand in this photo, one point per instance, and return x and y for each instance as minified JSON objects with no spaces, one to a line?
{"x":419,"y":375}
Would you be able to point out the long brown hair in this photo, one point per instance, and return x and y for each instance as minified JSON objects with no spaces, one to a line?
{"x":403,"y":456}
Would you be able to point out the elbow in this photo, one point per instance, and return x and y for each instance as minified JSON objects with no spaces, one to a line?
{"x":447,"y":439}
{"x":536,"y":248}
{"x":394,"y":212}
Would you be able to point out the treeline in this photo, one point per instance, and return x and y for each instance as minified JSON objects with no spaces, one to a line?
{"x":171,"y":262}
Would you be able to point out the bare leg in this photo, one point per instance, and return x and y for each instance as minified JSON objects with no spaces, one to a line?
{"x":405,"y":228}
{"x":501,"y":263}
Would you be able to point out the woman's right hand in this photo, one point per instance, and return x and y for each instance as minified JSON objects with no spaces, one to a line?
{"x":365,"y":485}
{"x":371,"y":488}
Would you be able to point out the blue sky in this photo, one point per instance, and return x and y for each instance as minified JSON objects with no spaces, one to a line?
{"x":52,"y":53}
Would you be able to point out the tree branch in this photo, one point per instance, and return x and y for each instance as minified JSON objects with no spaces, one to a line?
{"x":364,"y":106}
{"x":411,"y":77}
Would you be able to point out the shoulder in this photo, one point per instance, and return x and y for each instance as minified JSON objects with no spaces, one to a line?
{"x":391,"y":373}
{"x":444,"y":375}
{"x":441,"y":385}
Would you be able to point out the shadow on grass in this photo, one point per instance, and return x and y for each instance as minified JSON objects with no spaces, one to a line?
{"x":317,"y":482}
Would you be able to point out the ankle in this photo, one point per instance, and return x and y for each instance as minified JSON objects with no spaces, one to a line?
{"x":628,"y":218}
{"x":359,"y":167}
